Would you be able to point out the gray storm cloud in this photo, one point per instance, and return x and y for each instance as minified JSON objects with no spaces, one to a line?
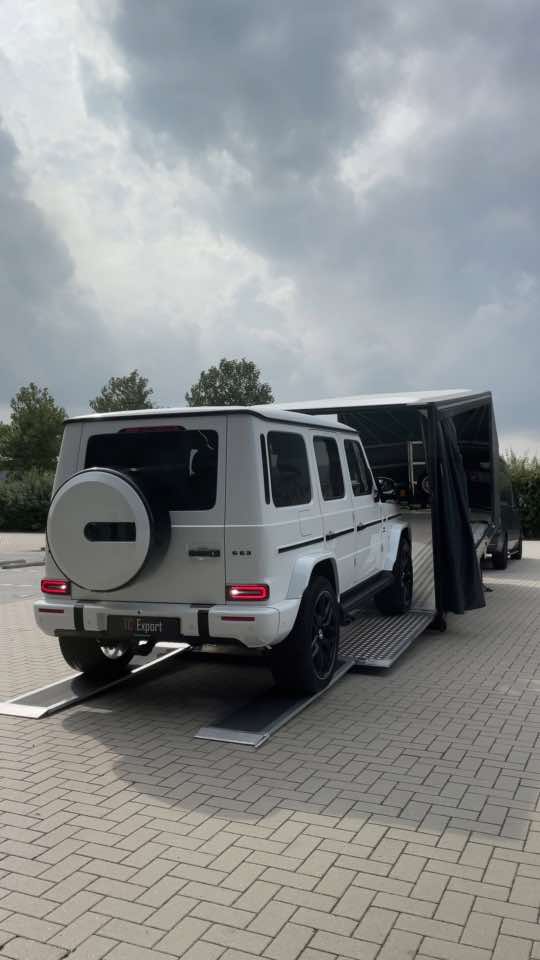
{"x":346,"y":193}
{"x":50,"y":333}
{"x":384,"y":158}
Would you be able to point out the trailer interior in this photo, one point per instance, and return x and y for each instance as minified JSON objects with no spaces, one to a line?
{"x":440,"y":451}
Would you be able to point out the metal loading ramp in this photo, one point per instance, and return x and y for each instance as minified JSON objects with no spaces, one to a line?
{"x":250,"y":724}
{"x":375,"y":640}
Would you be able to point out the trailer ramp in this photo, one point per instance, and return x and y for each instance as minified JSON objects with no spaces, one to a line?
{"x":375,"y":640}
{"x":76,"y":688}
{"x":253,"y":724}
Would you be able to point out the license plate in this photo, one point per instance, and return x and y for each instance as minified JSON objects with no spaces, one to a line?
{"x":151,"y":628}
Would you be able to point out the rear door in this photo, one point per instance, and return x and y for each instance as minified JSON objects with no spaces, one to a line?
{"x":180,"y":466}
{"x":367,"y":512}
{"x":336,"y":508}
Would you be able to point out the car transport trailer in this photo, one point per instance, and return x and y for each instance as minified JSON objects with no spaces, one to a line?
{"x":440,"y":451}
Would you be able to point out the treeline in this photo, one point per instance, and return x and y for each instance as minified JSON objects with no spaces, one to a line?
{"x":30,"y":442}
{"x":525,"y":473}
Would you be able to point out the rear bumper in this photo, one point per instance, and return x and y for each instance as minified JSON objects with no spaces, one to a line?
{"x":252,"y":625}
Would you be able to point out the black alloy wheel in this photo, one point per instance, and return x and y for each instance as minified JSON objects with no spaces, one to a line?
{"x":325,"y":634}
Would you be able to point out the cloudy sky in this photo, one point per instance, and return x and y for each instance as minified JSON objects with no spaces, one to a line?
{"x":347,"y":193}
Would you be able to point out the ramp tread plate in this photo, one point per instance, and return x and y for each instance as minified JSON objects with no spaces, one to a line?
{"x":73,"y":690}
{"x":254,"y":723}
{"x":378,"y":641}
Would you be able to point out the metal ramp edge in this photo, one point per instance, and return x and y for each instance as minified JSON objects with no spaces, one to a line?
{"x":253,"y":724}
{"x":76,"y":688}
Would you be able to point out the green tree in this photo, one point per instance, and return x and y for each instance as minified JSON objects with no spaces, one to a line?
{"x":24,"y":500}
{"x":525,"y":474}
{"x":32,"y":438}
{"x":233,"y":383}
{"x":4,"y":434}
{"x":124,"y":393}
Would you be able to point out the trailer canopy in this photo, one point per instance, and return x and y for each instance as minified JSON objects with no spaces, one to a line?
{"x":450,"y":437}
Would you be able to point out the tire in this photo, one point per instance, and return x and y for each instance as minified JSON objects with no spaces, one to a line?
{"x":305,"y":661}
{"x":86,"y":655}
{"x":397,"y":598}
{"x":500,"y":557}
{"x":518,"y":552}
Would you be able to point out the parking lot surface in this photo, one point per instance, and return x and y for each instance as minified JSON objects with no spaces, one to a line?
{"x":397,"y":817}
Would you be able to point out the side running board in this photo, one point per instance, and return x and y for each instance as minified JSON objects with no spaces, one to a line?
{"x":354,"y":599}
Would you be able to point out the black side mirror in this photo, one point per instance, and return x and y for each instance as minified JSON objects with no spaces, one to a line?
{"x":386,"y":489}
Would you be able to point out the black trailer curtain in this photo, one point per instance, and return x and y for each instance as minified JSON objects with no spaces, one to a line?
{"x":460,"y":577}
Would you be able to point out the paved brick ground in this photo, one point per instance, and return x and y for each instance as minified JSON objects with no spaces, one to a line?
{"x":396,"y":818}
{"x":21,"y":547}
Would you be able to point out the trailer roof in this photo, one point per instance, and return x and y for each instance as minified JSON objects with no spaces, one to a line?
{"x":417,"y":398}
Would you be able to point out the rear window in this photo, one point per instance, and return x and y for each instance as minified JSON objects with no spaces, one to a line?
{"x":289,"y":471}
{"x":174,"y":467}
{"x":329,"y":467}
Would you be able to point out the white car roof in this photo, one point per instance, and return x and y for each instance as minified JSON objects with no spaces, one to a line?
{"x":273,"y":412}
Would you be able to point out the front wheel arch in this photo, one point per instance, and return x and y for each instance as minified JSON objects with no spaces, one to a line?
{"x":397,"y":531}
{"x":294,"y":661}
{"x":397,"y":598}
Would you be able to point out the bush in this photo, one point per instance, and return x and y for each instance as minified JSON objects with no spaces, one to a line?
{"x":525,"y":474}
{"x":24,"y":500}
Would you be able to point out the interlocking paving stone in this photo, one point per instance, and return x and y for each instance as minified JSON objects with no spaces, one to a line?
{"x":397,"y":817}
{"x":481,"y":930}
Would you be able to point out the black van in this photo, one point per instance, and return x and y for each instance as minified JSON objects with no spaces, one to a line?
{"x":508,"y":539}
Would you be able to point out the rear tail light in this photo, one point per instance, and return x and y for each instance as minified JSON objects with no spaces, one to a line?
{"x":248,"y":591}
{"x":56,"y":588}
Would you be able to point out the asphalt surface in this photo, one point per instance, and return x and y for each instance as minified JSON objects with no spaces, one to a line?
{"x":19,"y":583}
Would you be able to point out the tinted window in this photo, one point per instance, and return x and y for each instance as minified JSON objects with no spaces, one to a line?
{"x":360,"y":478}
{"x":175,"y":468}
{"x":329,"y":467}
{"x":289,"y":471}
{"x":265,"y":469}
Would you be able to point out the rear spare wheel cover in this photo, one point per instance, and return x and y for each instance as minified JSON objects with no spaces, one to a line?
{"x":99,"y":529}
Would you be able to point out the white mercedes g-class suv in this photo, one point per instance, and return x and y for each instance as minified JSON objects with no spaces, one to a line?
{"x":245,"y":525}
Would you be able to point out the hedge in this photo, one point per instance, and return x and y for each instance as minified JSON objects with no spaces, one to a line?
{"x":525,"y":473}
{"x":24,"y":500}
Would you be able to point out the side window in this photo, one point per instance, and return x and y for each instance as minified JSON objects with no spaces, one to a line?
{"x":289,"y":470}
{"x":329,"y":467}
{"x":360,"y":477}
